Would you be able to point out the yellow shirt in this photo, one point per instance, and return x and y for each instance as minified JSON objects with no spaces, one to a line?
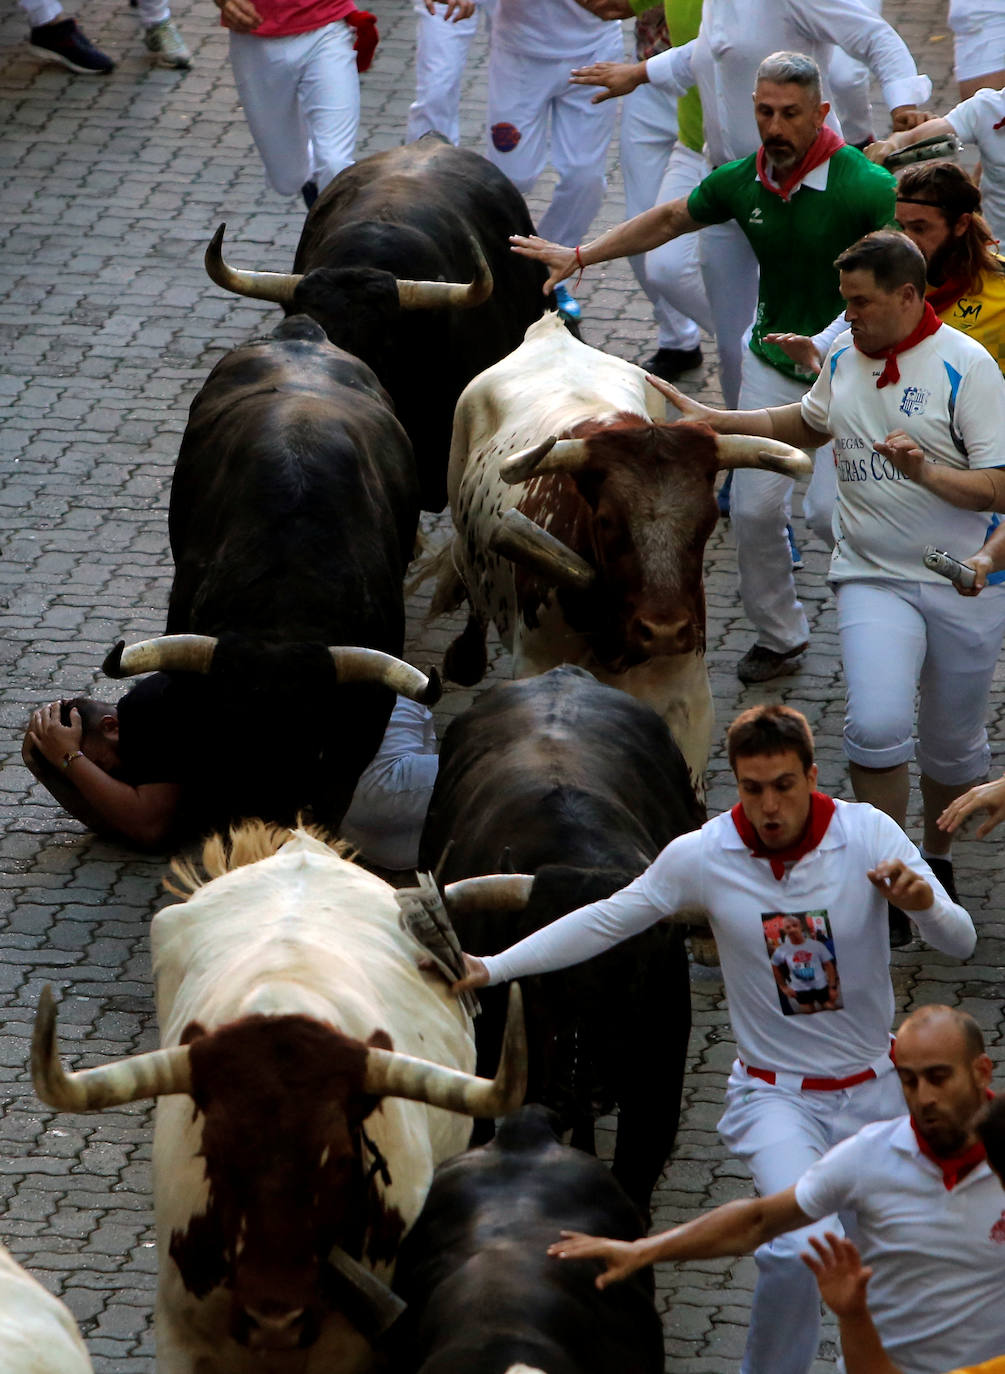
{"x":983,"y":318}
{"x":995,"y":1366}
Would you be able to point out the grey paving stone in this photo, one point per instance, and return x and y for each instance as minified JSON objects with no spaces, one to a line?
{"x":108,"y":191}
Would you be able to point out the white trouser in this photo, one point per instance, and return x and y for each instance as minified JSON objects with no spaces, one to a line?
{"x":441,"y":50}
{"x":657,"y":168}
{"x":760,"y":509}
{"x":45,"y":11}
{"x":898,"y":638}
{"x":731,"y":274}
{"x":778,"y":1133}
{"x":523,"y":93}
{"x":849,"y":85}
{"x":389,"y":805}
{"x":41,"y":11}
{"x":153,"y":11}
{"x":301,"y":99}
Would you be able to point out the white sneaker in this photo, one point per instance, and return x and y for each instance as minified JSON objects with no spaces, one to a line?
{"x":167,"y":44}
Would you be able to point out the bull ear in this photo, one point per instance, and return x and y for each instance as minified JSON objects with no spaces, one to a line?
{"x":519,"y":539}
{"x":380,"y":1040}
{"x":195,"y":1030}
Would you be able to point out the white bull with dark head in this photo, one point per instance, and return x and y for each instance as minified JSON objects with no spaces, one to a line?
{"x":311,"y":1077}
{"x":37,"y":1333}
{"x":589,"y":550}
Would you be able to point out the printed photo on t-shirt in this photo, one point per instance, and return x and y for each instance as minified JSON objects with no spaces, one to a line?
{"x":801,"y":950}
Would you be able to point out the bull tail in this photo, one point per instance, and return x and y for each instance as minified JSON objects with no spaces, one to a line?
{"x":450,"y":593}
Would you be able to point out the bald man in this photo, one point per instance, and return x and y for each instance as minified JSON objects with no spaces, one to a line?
{"x":926,"y":1208}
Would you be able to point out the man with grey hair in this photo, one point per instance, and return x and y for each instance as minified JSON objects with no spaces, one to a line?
{"x":721,"y":62}
{"x":801,"y":199}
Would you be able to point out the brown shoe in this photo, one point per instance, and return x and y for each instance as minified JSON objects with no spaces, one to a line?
{"x":759,"y":664}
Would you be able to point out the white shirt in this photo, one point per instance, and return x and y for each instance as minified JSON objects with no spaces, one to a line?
{"x":737,"y":35}
{"x":981,"y":120}
{"x":712,"y":868}
{"x":559,"y":30}
{"x":970,"y":16}
{"x":951,"y":399}
{"x":938,"y":1255}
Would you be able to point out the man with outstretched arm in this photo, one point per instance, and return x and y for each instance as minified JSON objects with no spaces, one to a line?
{"x":927,"y":1211}
{"x":843,"y":1278}
{"x":800,"y":1083}
{"x":721,"y":63}
{"x":917,"y":414}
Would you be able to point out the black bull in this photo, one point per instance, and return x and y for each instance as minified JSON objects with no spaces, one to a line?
{"x":424,"y":212}
{"x":292,"y":520}
{"x":582,"y":786}
{"x":483,"y":1294}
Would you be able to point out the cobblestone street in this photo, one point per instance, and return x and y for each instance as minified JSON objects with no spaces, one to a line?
{"x":109,"y":191}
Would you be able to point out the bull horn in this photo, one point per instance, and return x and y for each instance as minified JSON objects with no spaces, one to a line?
{"x":440,"y":295}
{"x":492,"y":892}
{"x":144,"y":1075}
{"x":749,"y":451}
{"x":389,"y":1074}
{"x":554,"y":455}
{"x":177,"y":653}
{"x":522,"y":541}
{"x":262,"y":286}
{"x":370,"y":665}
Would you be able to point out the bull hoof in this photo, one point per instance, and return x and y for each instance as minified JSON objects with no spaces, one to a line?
{"x":467,"y":660}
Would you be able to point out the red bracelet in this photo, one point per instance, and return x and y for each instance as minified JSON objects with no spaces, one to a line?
{"x":582,"y":265}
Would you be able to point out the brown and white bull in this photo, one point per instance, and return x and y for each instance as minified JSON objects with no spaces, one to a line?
{"x":589,"y":550}
{"x":37,"y":1333}
{"x":310,"y":1079}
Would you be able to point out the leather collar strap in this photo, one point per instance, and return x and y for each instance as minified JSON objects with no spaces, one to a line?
{"x":823,"y":147}
{"x":821,"y":811}
{"x":926,"y":326}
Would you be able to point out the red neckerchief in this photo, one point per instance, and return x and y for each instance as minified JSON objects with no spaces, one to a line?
{"x":824,"y":146}
{"x":821,"y":811}
{"x":953,"y":1167}
{"x":926,"y":326}
{"x":940,"y":298}
{"x":367,"y":37}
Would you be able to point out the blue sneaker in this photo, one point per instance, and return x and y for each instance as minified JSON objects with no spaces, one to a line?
{"x":567,"y":303}
{"x":797,"y":558}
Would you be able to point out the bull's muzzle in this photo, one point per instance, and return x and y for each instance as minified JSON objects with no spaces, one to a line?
{"x":274,"y":1326}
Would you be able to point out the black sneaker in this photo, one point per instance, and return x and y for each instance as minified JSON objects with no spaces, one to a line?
{"x":64,"y":41}
{"x":901,"y":933}
{"x":759,"y":664}
{"x":943,"y":870}
{"x":669,"y":363}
